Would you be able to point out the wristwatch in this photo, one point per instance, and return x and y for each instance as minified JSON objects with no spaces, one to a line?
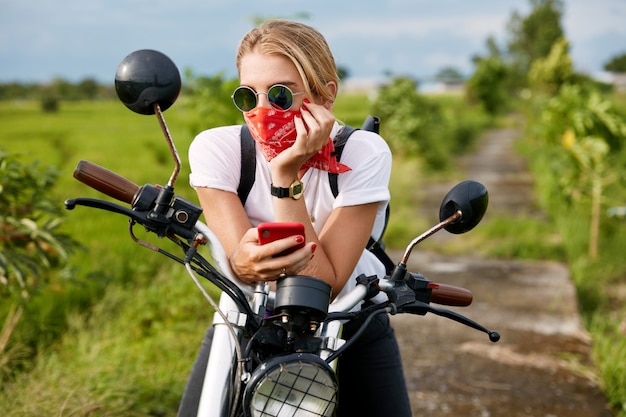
{"x":294,"y":191}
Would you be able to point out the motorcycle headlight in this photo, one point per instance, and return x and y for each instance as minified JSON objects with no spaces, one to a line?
{"x":300,"y":384}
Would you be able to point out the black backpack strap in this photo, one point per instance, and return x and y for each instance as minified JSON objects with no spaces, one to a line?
{"x":377,"y":247}
{"x":248,"y":164}
{"x":371,"y":123}
{"x":339,"y":142}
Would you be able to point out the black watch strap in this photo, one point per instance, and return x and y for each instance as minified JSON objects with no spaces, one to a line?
{"x":279,"y":192}
{"x":295,"y":190}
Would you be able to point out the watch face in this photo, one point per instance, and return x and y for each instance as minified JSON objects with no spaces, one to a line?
{"x":296,"y":190}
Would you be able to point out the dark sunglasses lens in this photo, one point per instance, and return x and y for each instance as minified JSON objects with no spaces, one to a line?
{"x":244,"y":99}
{"x":280,"y":96}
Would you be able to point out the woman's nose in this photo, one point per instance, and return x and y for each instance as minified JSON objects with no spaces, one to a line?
{"x":262,"y":101}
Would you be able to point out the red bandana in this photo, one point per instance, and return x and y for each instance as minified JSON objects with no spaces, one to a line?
{"x":274,"y":131}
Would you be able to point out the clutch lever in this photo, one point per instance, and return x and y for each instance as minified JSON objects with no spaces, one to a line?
{"x":421,"y":308}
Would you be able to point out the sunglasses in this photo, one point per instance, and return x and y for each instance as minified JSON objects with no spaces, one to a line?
{"x":280,"y":97}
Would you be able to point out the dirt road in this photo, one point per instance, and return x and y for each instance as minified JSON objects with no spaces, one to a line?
{"x":541,"y":367}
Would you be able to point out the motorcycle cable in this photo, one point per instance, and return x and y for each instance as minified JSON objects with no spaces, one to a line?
{"x":200,"y":265}
{"x":389,"y":309}
{"x":208,"y":271}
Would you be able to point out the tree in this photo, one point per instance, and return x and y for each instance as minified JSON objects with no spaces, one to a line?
{"x":449,"y":75}
{"x":591,"y":131}
{"x":548,"y":74}
{"x":208,"y":98}
{"x":532,"y":36}
{"x":342,"y":72}
{"x":87,"y":89}
{"x":616,"y":64}
{"x":487,"y":86}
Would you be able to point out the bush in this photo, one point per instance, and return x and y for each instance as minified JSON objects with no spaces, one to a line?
{"x":433,"y":129}
{"x":49,"y":103}
{"x":31,"y":247}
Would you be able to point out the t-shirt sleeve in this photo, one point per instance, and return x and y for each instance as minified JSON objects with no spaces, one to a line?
{"x":215,"y":159}
{"x":369,"y":157}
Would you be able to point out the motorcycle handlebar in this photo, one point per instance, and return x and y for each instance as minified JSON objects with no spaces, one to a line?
{"x":450,"y":295}
{"x":106,"y":181}
{"x":122,"y":189}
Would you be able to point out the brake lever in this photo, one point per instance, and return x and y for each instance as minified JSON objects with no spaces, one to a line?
{"x":161,"y":226}
{"x":104,"y":205}
{"x":421,"y":308}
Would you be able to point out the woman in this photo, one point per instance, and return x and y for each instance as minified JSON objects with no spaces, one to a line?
{"x":288,"y":84}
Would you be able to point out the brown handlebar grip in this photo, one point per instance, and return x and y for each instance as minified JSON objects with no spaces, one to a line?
{"x":450,"y":295}
{"x":105,"y":181}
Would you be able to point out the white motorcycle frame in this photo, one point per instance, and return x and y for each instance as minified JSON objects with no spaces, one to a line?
{"x":216,"y":394}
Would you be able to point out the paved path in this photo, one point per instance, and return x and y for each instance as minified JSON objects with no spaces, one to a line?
{"x":541,"y":367}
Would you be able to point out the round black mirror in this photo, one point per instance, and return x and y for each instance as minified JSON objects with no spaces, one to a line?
{"x":146,"y":77}
{"x":471,"y":198}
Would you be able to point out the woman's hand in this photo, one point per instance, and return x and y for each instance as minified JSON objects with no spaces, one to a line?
{"x":313,"y":126}
{"x":252,"y":262}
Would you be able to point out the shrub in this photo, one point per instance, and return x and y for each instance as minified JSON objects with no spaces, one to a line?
{"x":31,"y":247}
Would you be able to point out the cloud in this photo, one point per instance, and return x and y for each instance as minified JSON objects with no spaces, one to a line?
{"x":77,"y":38}
{"x":418,"y":27}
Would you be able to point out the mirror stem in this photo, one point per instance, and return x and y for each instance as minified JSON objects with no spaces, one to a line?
{"x":453,"y":218}
{"x":170,"y":144}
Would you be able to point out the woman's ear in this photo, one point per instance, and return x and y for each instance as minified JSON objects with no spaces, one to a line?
{"x":331,"y":87}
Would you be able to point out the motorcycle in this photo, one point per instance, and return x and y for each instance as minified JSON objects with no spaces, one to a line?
{"x":274,"y":353}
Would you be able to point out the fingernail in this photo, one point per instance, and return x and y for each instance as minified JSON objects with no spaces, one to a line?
{"x":313,"y":247}
{"x":307,"y":101}
{"x":299,"y":239}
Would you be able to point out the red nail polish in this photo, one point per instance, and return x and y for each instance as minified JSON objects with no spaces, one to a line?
{"x":313,"y":247}
{"x":307,"y":101}
{"x":299,"y":239}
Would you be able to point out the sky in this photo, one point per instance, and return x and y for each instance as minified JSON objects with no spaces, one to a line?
{"x":78,"y":39}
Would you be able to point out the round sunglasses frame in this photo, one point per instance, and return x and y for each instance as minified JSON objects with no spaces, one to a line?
{"x":245,"y":89}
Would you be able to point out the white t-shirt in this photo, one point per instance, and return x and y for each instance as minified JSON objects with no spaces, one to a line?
{"x":215,"y":160}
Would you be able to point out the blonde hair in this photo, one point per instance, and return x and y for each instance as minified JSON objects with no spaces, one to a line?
{"x":302,"y":45}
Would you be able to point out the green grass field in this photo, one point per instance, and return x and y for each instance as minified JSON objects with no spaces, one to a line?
{"x":119,"y":336}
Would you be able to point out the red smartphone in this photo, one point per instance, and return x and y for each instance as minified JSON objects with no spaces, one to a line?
{"x":271,"y":231}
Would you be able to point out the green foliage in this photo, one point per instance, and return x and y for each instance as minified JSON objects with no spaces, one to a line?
{"x":614,"y":371}
{"x":582,"y":135}
{"x":208,"y":100}
{"x":449,"y":75}
{"x":616,"y":64}
{"x":577,"y":153}
{"x":110,"y":135}
{"x":519,"y":237}
{"x":129,"y":357}
{"x":487,"y":86}
{"x":548,"y":74}
{"x":585,"y":113}
{"x":49,"y":103}
{"x":58,"y":89}
{"x":32,"y":249}
{"x":31,"y":245}
{"x":417,"y":125}
{"x":532,"y":36}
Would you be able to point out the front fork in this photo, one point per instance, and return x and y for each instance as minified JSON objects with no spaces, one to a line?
{"x":219,"y":384}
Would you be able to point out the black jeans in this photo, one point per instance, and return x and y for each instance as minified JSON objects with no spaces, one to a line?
{"x":371,"y":380}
